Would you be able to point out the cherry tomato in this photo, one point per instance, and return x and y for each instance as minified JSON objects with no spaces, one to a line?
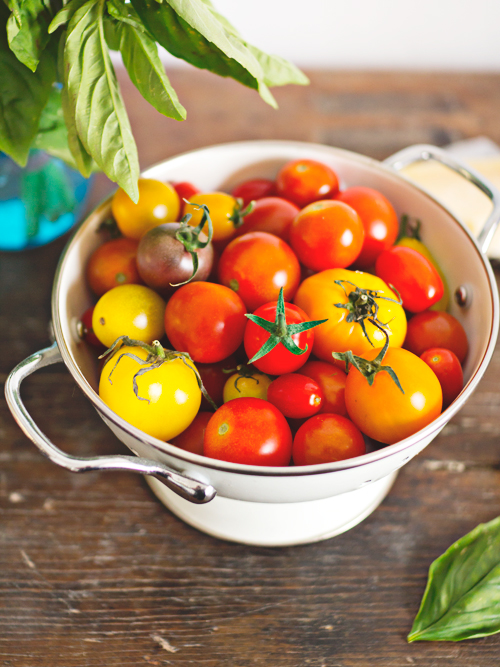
{"x":318,"y":296}
{"x":327,"y":235}
{"x":270,"y":214}
{"x":306,"y":181}
{"x":191,"y":440}
{"x":326,"y":438}
{"x":135,"y":311}
{"x":415,"y":278}
{"x":295,"y":396}
{"x":381,"y":411}
{"x":171,"y":393}
{"x":185,"y":191}
{"x":214,"y":377}
{"x":85,"y":330}
{"x":249,"y":431}
{"x":113,"y":264}
{"x":158,"y":203}
{"x":254,"y":189}
{"x":379,"y":220}
{"x":206,"y":320}
{"x":224,"y":213}
{"x":332,"y":381}
{"x":279,"y":360}
{"x":246,"y":383}
{"x":256,"y":266}
{"x":448,"y":370}
{"x":436,"y":329}
{"x":417,"y":245}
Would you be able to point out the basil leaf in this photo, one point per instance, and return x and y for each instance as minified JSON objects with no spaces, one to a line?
{"x":462,"y":597}
{"x":93,"y":103}
{"x":64,"y":15}
{"x":23,"y":95}
{"x":27,"y":31}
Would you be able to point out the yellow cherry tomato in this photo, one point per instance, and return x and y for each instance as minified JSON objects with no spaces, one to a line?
{"x":239,"y":385}
{"x":135,"y":311}
{"x":417,"y":245}
{"x":223,"y":212}
{"x":318,"y":296}
{"x":158,"y":203}
{"x":168,"y":397}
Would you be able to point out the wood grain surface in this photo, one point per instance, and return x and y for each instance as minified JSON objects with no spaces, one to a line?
{"x":95,"y":571}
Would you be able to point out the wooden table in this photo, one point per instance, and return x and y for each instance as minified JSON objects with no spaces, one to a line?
{"x":95,"y":571}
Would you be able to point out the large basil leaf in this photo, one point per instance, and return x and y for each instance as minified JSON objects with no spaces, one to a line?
{"x":462,"y":597}
{"x":27,"y":30}
{"x":92,"y":101}
{"x":64,"y":15}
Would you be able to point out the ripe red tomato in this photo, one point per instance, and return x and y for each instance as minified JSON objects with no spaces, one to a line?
{"x":327,"y":235}
{"x":332,"y":382}
{"x":86,"y":332}
{"x":415,"y":278}
{"x":296,"y":396}
{"x":379,"y":220}
{"x":436,"y":329}
{"x":113,"y":264}
{"x":279,"y":360}
{"x":256,"y":266}
{"x":249,"y":431}
{"x":305,"y":181}
{"x":185,"y":190}
{"x":270,"y":214}
{"x":448,"y":370}
{"x":214,"y":377}
{"x":254,"y":189}
{"x":191,"y":440}
{"x":326,"y":438}
{"x":206,"y":320}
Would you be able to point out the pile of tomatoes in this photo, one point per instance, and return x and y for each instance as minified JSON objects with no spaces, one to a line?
{"x":285,"y":322}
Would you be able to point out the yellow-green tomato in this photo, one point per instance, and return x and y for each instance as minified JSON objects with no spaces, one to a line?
{"x":168,"y":397}
{"x":246,"y":386}
{"x":135,"y":311}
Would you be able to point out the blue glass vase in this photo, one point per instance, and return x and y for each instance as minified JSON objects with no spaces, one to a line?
{"x":38,"y":202}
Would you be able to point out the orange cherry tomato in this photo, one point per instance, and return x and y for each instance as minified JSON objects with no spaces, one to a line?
{"x":305,"y":181}
{"x":325,"y":438}
{"x":112,"y":264}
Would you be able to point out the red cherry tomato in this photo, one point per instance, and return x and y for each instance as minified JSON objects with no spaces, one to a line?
{"x":306,"y":181}
{"x":446,"y":366}
{"x":256,"y":266}
{"x":249,"y":431}
{"x":113,"y":264}
{"x":326,"y":438}
{"x":270,"y":214}
{"x":379,"y":220}
{"x":214,"y":378}
{"x":436,"y":329}
{"x":87,"y":332}
{"x":279,"y":360}
{"x":191,"y":440}
{"x":254,"y":189}
{"x":332,"y":382}
{"x":185,"y":190}
{"x":206,"y":320}
{"x":327,"y":235}
{"x":415,"y":278}
{"x":296,"y":396}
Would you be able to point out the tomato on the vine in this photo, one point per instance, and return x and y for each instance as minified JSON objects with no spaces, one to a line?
{"x":436,"y":329}
{"x":254,"y":189}
{"x":326,"y":438}
{"x":249,"y":431}
{"x":448,"y":370}
{"x":224,"y":211}
{"x":112,"y":264}
{"x":305,"y":181}
{"x":296,"y":396}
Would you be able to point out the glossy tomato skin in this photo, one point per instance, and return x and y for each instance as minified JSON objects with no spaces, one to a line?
{"x":256,"y":266}
{"x":296,"y":396}
{"x":381,"y":411}
{"x":253,"y":385}
{"x":448,"y":370}
{"x":326,"y":438}
{"x":317,"y":296}
{"x":191,"y":439}
{"x":332,"y":381}
{"x":254,"y":189}
{"x":206,"y":320}
{"x":270,"y":214}
{"x":436,"y":329}
{"x":279,"y":360}
{"x":171,"y":391}
{"x":379,"y":219}
{"x":222,"y":208}
{"x":111,"y":264}
{"x":158,"y":203}
{"x":416,"y":279}
{"x":306,"y":181}
{"x":249,"y":431}
{"x":327,"y":234}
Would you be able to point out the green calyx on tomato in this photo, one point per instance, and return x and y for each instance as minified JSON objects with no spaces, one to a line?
{"x":369,"y":369}
{"x":362,"y":306}
{"x":237,"y":217}
{"x":243,"y":371}
{"x":280,"y":332}
{"x":409,"y":228}
{"x":157,"y":356}
{"x":190,"y":237}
